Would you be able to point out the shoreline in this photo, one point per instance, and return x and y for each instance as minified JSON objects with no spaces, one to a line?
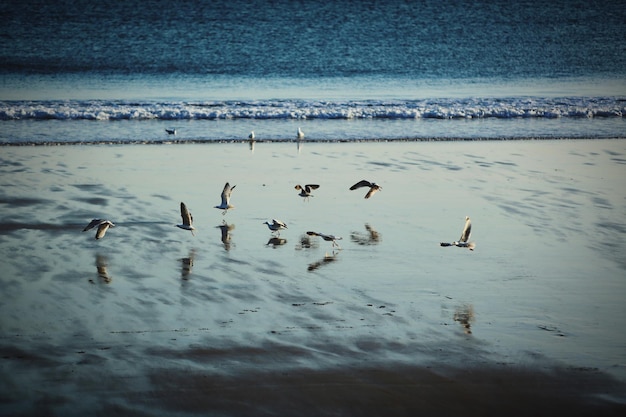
{"x":312,"y":141}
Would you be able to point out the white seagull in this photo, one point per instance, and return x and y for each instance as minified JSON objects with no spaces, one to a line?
{"x":300,"y":135}
{"x":226,"y":192}
{"x":187,"y":219}
{"x":276,"y":226}
{"x":465,"y":235}
{"x":328,"y":238}
{"x":305,"y":191}
{"x":251,"y":135}
{"x":171,"y":131}
{"x":373,"y":187}
{"x":103,"y":226}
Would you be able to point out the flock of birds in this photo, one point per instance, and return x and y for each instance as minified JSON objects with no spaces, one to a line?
{"x":275,"y":226}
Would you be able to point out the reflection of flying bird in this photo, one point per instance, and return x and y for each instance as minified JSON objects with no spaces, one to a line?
{"x":305,"y":191}
{"x":187,"y":219}
{"x":103,"y":226}
{"x":186,"y":266}
{"x":465,"y":235}
{"x":225,"y":204}
{"x":101,"y":266}
{"x":276,"y":226}
{"x":325,"y":260}
{"x":226,"y":228}
{"x":372,"y":238}
{"x":373,"y":187}
{"x":465,"y":316}
{"x":328,"y":238}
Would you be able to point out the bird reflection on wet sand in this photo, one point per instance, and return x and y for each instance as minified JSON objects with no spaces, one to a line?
{"x":371,"y":238}
{"x":101,"y":265}
{"x":306,"y":243}
{"x":226,"y":228}
{"x":324,"y":261}
{"x":276,"y":241}
{"x":465,"y":316}
{"x":186,"y":266}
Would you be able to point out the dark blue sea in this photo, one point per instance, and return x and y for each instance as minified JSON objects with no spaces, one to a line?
{"x":123,"y":72}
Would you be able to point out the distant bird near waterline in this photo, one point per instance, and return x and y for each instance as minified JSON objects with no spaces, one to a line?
{"x":465,"y":235}
{"x":328,"y":238}
{"x":103,"y":226}
{"x":300,"y":135}
{"x":225,"y":204}
{"x":373,"y":187}
{"x":187,"y":219}
{"x":171,"y":131}
{"x":251,"y":135}
{"x":305,"y":191}
{"x":276,"y":226}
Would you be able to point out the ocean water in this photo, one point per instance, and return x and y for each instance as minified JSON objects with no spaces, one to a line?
{"x":123,"y":72}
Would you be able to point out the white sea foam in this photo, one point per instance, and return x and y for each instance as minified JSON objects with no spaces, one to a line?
{"x":516,"y":107}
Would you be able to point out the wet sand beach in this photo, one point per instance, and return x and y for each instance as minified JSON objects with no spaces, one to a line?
{"x":152,"y":320}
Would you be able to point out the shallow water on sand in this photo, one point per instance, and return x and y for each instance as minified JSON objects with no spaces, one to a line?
{"x":544,"y":285}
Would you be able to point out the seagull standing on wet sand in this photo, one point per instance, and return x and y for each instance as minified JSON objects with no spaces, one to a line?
{"x":276,"y":226}
{"x":226,"y":192}
{"x":305,"y":191}
{"x":103,"y":226}
{"x":251,"y":136}
{"x":373,"y":187}
{"x":187,"y":219}
{"x":328,"y":238}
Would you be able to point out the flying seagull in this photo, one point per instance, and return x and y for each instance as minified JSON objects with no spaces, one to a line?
{"x":300,"y":135}
{"x":373,"y":187}
{"x":305,"y":191}
{"x":328,"y":238}
{"x":187,"y":219}
{"x":276,"y":226}
{"x":465,"y":235}
{"x":171,"y":131}
{"x":103,"y":226}
{"x":225,"y":205}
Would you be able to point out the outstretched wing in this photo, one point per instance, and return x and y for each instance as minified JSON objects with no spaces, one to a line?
{"x":226,"y":192}
{"x":102,"y":229}
{"x":310,"y":187}
{"x":467,"y":230}
{"x":92,"y":224}
{"x":185,"y":214}
{"x":372,"y":191}
{"x":362,"y":183}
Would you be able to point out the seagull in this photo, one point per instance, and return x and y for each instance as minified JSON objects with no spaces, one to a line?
{"x":187,"y":219}
{"x":171,"y":131}
{"x":300,"y":135}
{"x":328,"y":238}
{"x":276,"y":226}
{"x":103,"y":226}
{"x":225,"y":205}
{"x":251,"y":135}
{"x":364,"y":183}
{"x":465,"y":235}
{"x":306,"y":191}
